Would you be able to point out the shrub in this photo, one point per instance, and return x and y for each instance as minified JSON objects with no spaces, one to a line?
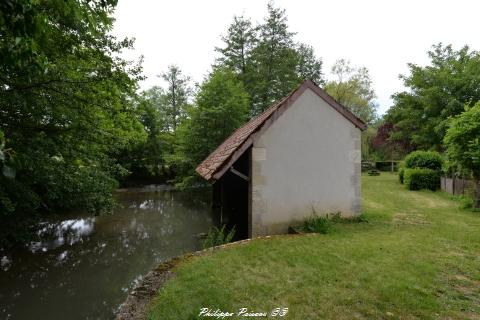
{"x":466,"y":202}
{"x":422,"y":178}
{"x":424,"y":159}
{"x":218,"y":237}
{"x":401,"y":173}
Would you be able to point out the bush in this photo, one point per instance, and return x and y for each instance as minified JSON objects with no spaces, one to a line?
{"x":218,"y":237}
{"x":401,"y":173}
{"x":422,"y":178}
{"x":424,"y":159}
{"x":466,"y":202}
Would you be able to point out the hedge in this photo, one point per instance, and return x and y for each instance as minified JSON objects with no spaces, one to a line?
{"x":424,"y":159}
{"x":421,"y":178}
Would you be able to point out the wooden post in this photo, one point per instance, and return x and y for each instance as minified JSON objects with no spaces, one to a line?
{"x":453,"y":184}
{"x":476,"y":200}
{"x":391,"y":161}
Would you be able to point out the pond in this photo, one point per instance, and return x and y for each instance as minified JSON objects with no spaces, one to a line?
{"x":85,"y":266}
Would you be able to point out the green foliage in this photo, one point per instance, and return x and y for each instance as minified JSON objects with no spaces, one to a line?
{"x":368,"y":152}
{"x":266,"y":59}
{"x":146,"y":161}
{"x":239,"y":42}
{"x":466,"y":202}
{"x":421,"y":170}
{"x":274,"y":60}
{"x":463,"y":145}
{"x":424,"y":159}
{"x":436,"y":93}
{"x":176,"y":97}
{"x":317,"y":224}
{"x":221,"y":106}
{"x":67,"y":112}
{"x":218,"y":237}
{"x":308,"y":65}
{"x":33,"y":31}
{"x":353,"y":89}
{"x":463,"y":140}
{"x":401,"y":174}
{"x":421,"y":178}
{"x":320,"y":224}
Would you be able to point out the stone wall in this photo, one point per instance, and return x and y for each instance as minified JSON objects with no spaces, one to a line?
{"x":307,"y":161}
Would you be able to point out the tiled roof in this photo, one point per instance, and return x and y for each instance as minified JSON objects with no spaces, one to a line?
{"x":232,"y":148}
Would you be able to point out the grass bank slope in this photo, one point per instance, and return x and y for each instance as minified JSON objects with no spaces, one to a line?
{"x":418,"y":257}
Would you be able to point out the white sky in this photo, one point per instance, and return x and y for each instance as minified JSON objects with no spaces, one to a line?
{"x":380,"y":35}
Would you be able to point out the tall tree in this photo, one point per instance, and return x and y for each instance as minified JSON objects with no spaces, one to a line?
{"x":352,"y":88}
{"x":178,"y":93}
{"x":146,"y":161}
{"x":238,"y":44}
{"x":436,"y":92}
{"x":308,"y":65}
{"x":221,"y":106}
{"x":275,"y":61}
{"x":266,"y":59}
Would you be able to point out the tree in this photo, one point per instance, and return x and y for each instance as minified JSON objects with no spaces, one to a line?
{"x":386,"y":146}
{"x":238,"y":45}
{"x":436,"y":92}
{"x":274,"y":61}
{"x":31,"y":29}
{"x":146,"y":161}
{"x":66,"y":110}
{"x":266,"y":59}
{"x":177,"y":94}
{"x":308,"y":65}
{"x":353,"y":89}
{"x":152,"y":103}
{"x":221,"y":106}
{"x":462,"y":142}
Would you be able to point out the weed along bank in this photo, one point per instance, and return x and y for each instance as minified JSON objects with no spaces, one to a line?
{"x":300,"y":156}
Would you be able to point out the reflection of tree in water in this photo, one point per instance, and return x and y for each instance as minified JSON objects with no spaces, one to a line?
{"x":89,"y":263}
{"x":54,"y":235}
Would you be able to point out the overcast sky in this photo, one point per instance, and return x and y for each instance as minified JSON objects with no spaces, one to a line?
{"x":380,"y":35}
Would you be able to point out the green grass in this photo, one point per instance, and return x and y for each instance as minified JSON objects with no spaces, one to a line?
{"x":418,"y":257}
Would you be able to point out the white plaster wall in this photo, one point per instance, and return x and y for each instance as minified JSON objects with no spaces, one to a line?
{"x":308,"y":158}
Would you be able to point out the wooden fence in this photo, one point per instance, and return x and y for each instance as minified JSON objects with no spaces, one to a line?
{"x":456,"y":186}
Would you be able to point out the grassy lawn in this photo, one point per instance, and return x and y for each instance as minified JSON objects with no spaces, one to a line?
{"x":418,"y":257}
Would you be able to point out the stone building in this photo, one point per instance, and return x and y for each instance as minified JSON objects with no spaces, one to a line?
{"x":302,"y":155}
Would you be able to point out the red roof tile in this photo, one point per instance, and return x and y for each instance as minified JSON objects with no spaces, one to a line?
{"x":215,"y":165}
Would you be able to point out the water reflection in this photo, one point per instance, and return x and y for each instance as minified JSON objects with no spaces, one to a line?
{"x":84,"y":266}
{"x":56,"y":234}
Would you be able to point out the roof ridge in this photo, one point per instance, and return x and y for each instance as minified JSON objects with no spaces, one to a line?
{"x":228,"y":150}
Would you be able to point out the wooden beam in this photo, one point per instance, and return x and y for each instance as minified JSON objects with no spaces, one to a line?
{"x":238,"y":173}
